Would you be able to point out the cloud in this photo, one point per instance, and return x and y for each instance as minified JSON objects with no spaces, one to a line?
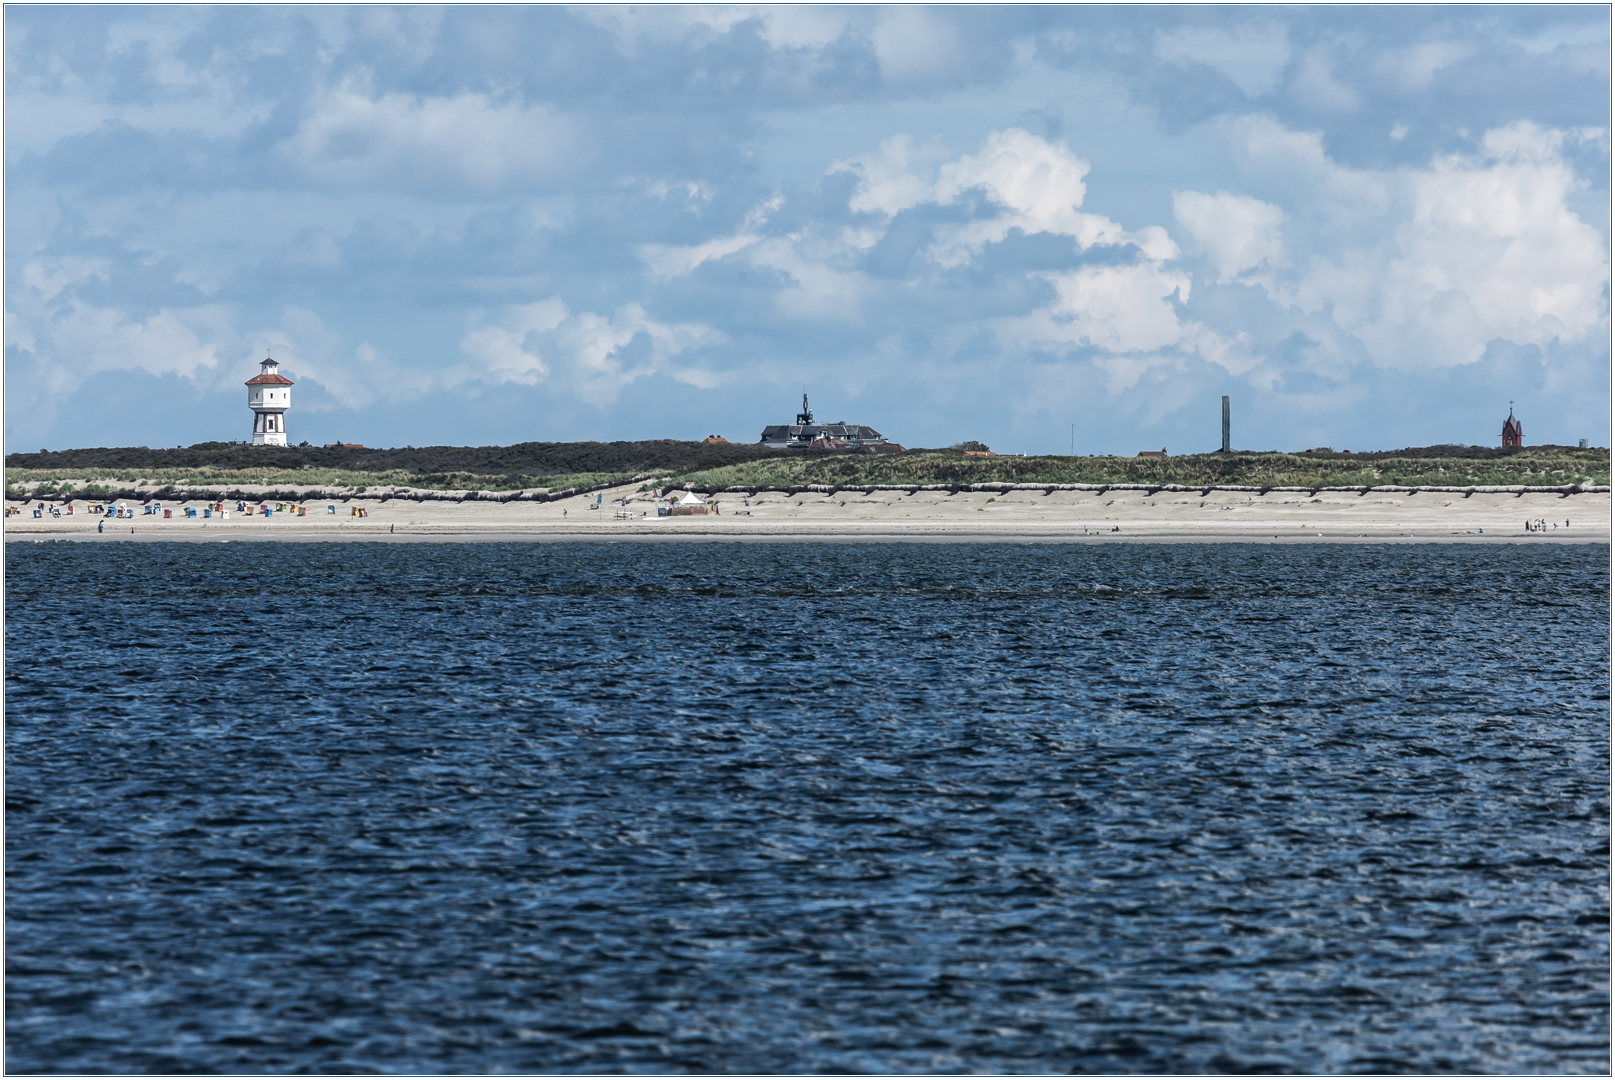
{"x":598,"y":349}
{"x":818,"y":288}
{"x":1413,"y":68}
{"x":1297,"y":161}
{"x":666,"y":261}
{"x":1239,"y":232}
{"x":389,"y":196}
{"x":311,"y":352}
{"x":916,"y":45}
{"x":801,"y":26}
{"x":1314,"y":84}
{"x":395,"y":140}
{"x":1252,"y":56}
{"x":1038,"y":183}
{"x":888,"y":178}
{"x":791,"y":26}
{"x":500,"y":353}
{"x":596,"y":354}
{"x":1038,"y":186}
{"x":52,"y":321}
{"x":1115,"y":309}
{"x":1485,"y":247}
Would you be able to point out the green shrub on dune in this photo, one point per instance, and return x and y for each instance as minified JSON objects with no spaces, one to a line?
{"x":1433,"y":467}
{"x":750,"y":466}
{"x":41,"y":482}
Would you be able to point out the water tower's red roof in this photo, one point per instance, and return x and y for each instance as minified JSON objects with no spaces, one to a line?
{"x":269,"y":380}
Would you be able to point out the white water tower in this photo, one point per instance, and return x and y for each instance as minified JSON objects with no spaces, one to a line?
{"x":269,"y":395}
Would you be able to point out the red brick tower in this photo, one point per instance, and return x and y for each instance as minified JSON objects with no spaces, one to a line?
{"x":1513,"y":433}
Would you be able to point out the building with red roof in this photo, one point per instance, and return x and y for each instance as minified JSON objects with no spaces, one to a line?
{"x":269,"y":395}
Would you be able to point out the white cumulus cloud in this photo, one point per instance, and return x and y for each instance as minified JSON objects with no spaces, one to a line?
{"x":1116,"y":309}
{"x":72,"y":338}
{"x":596,"y":355}
{"x":1238,"y":232}
{"x":1038,"y":186}
{"x":500,"y":351}
{"x":1479,"y":248}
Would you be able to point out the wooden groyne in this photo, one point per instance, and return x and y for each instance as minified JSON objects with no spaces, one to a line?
{"x":1148,"y":489}
{"x":204,"y":493}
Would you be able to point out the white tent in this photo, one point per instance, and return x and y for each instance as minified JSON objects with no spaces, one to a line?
{"x":691,"y":499}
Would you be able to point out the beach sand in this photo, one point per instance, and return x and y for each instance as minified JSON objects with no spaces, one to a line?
{"x":1018,"y":516}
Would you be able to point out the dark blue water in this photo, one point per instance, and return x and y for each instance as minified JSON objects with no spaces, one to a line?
{"x":759,"y":808}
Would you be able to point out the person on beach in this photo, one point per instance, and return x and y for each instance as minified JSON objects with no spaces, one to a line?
{"x":101,"y":526}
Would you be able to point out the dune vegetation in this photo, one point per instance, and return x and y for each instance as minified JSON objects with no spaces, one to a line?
{"x":669,"y":463}
{"x":1428,"y":467}
{"x":83,"y":479}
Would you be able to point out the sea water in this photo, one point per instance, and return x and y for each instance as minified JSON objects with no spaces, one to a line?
{"x":800,"y":808}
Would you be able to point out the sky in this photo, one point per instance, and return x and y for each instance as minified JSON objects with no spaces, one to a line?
{"x":1050,"y":229}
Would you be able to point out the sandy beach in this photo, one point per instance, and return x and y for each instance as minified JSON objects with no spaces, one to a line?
{"x":1033,"y":516}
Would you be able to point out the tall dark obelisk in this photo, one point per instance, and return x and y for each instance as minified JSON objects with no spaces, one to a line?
{"x":1226,"y":447}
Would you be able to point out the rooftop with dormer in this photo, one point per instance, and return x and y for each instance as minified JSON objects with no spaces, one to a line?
{"x":805,"y":434}
{"x":269,"y":374}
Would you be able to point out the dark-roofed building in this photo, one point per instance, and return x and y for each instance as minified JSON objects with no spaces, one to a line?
{"x":805,"y":435}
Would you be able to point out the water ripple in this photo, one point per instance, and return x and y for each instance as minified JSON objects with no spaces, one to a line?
{"x":807,"y":808}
